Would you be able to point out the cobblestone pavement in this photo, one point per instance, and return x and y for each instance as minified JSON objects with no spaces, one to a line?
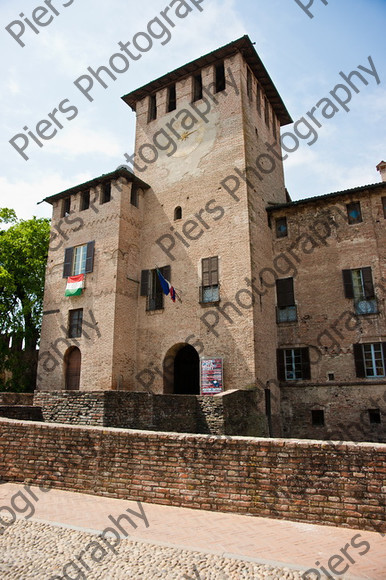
{"x":31,"y":550}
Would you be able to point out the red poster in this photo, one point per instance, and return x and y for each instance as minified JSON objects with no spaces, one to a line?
{"x":211,"y":376}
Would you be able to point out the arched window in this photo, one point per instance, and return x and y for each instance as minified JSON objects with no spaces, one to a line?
{"x":178,"y":213}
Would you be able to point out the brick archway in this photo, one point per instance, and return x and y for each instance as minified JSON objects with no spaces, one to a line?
{"x":181,"y":370}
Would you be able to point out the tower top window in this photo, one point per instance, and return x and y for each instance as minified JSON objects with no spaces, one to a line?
{"x":220,"y":77}
{"x":172,"y":98}
{"x":152,"y":115}
{"x":197,"y":87}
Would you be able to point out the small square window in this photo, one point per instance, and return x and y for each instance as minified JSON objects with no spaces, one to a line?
{"x":85,"y":200}
{"x":374,"y":416}
{"x":331,"y":376}
{"x":209,"y":289}
{"x":106,"y":193}
{"x":384,"y":206}
{"x":317,"y":418}
{"x":281,"y":227}
{"x":354,"y":213}
{"x":66,"y":207}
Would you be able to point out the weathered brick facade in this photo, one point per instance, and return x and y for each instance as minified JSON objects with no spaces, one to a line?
{"x":309,"y":481}
{"x":231,"y":413}
{"x":214,"y":191}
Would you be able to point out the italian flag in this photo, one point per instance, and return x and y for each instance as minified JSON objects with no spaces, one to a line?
{"x":75,"y":285}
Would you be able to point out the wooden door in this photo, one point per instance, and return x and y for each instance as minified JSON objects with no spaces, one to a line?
{"x":73,"y":370}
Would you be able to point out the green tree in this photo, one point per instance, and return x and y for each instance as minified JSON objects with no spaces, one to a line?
{"x":23,"y":257}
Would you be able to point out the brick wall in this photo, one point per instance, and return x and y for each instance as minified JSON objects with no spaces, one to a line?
{"x":330,"y":483}
{"x":23,"y":412}
{"x":346,"y":412}
{"x":233,"y":413}
{"x":16,"y":398}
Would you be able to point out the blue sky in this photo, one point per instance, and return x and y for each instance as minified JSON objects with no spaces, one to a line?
{"x":303,"y":56}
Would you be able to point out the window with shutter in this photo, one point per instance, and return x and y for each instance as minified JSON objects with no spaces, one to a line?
{"x":286,"y":308}
{"x":209,"y":291}
{"x":152,"y":289}
{"x":293,"y":364}
{"x":358,"y":285}
{"x":79,"y":260}
{"x":373,"y":359}
{"x":384,"y":206}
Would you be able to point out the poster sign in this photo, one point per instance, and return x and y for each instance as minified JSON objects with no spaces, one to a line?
{"x":211,"y":376}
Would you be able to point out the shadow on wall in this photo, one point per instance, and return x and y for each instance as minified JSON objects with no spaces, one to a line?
{"x":230,"y":413}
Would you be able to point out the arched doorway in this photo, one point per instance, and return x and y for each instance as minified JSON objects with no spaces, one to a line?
{"x":72,"y":363}
{"x":182,"y":370}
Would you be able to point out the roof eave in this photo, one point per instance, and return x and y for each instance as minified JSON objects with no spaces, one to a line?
{"x":120,"y":172}
{"x":243,"y":45}
{"x":326,"y":196}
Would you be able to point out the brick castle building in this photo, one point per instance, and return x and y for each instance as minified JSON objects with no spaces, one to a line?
{"x":286,"y":297}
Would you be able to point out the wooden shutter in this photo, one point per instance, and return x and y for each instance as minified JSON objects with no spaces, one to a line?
{"x":145,"y":274}
{"x":285,"y":292}
{"x":348,"y":285}
{"x":306,"y":367}
{"x":67,"y":266}
{"x":214,"y":271}
{"x":359,"y":361}
{"x":368,"y":286}
{"x":280,"y":360}
{"x":90,"y":257}
{"x":206,"y":271}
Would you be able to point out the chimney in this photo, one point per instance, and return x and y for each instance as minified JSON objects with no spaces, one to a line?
{"x":382,"y":170}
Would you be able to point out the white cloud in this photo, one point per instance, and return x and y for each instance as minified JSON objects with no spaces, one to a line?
{"x":23,"y":195}
{"x":84,"y":141}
